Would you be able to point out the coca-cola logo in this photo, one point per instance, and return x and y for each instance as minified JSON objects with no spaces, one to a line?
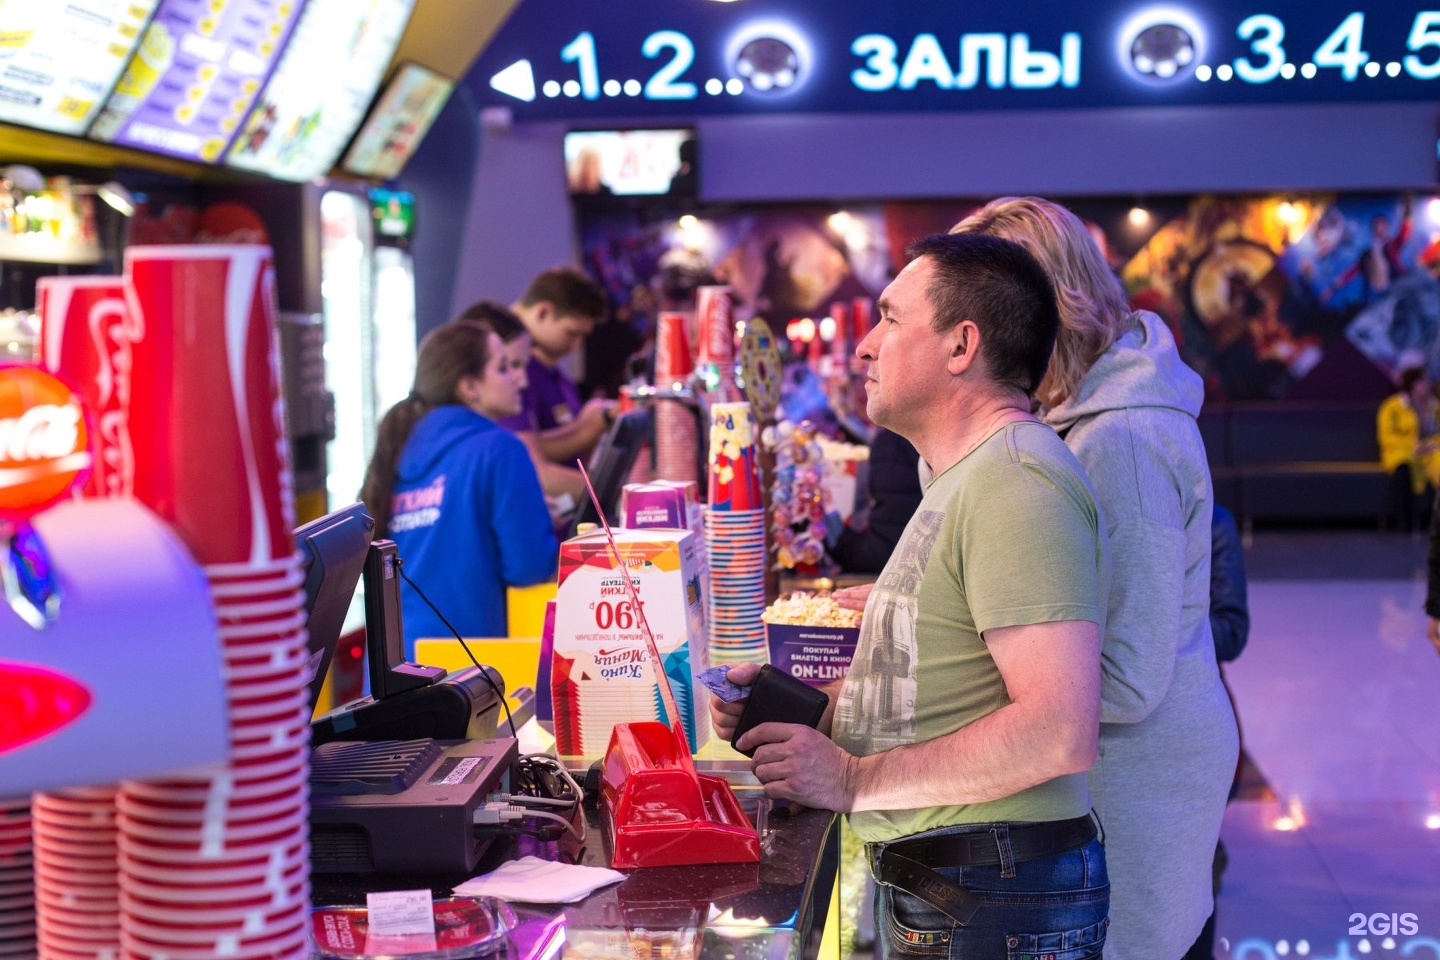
{"x":44,"y":441}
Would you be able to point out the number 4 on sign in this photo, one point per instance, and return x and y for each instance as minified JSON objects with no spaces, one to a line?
{"x":1342,"y":48}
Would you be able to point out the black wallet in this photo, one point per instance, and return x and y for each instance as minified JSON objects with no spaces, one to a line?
{"x":777,"y":697}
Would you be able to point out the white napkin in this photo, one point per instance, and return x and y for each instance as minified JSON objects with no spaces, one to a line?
{"x":532,"y":880}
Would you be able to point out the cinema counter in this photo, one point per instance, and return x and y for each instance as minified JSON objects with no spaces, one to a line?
{"x":774,"y":909}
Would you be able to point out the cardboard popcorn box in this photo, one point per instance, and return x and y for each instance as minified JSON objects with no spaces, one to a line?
{"x":816,"y":655}
{"x":601,"y":671}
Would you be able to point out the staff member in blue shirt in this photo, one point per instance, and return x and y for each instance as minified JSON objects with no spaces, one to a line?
{"x":458,"y":494}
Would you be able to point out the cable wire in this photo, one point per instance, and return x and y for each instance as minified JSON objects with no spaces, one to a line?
{"x":400,"y":566}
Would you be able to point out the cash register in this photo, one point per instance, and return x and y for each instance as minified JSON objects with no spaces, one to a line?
{"x":395,"y":776}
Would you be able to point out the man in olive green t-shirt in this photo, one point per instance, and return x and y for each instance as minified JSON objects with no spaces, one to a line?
{"x":959,"y":740}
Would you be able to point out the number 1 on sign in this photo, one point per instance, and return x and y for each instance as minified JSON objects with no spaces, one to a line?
{"x":581,"y":51}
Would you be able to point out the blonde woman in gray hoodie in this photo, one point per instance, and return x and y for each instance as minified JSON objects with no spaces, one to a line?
{"x":1125,"y":403}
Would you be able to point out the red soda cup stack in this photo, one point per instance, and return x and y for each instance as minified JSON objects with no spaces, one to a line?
{"x":77,"y":884}
{"x":216,"y":864}
{"x":17,"y":880}
{"x":677,"y":436}
{"x":716,"y":336}
{"x":85,"y":337}
{"x":840,"y":342}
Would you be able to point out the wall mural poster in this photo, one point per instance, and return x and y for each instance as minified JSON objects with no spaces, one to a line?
{"x":1316,"y":298}
{"x":1319,"y":297}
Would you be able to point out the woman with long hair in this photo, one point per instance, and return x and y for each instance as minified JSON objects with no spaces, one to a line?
{"x":1125,"y":403}
{"x":457,"y":493}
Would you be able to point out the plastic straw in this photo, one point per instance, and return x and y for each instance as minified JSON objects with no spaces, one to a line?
{"x":667,"y":696}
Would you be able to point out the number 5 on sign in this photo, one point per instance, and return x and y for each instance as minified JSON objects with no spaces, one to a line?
{"x":1425,"y":33}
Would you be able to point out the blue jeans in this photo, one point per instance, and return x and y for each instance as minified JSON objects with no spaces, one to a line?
{"x":1051,"y":909}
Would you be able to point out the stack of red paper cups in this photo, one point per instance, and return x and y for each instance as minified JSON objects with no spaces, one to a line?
{"x":677,"y":435}
{"x":17,"y":882}
{"x":85,"y":335}
{"x":217,"y":865}
{"x":77,"y":886}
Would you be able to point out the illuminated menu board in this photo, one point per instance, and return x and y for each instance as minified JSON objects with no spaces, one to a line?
{"x":398,"y":123}
{"x":319,"y":90}
{"x":195,"y":74}
{"x":59,"y":60}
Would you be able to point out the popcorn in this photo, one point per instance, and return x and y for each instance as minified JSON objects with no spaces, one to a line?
{"x":810,"y":609}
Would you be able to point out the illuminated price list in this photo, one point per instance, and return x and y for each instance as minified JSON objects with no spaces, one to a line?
{"x":1343,"y":50}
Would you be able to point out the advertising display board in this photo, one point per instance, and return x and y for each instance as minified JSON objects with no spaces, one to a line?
{"x":194,"y":76}
{"x":58,"y":61}
{"x":319,"y":90}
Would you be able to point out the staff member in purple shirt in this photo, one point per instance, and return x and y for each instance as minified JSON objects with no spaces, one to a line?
{"x":559,"y":309}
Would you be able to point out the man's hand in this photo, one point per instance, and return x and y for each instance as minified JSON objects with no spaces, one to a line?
{"x":796,"y":762}
{"x":853,"y":598}
{"x":1433,"y":632}
{"x":724,"y":717}
{"x":597,"y":415}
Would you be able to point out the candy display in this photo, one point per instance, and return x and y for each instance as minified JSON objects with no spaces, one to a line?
{"x":800,"y":499}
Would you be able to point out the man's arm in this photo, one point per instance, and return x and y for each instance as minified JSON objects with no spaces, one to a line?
{"x":563,"y":444}
{"x":555,"y":480}
{"x":1050,"y":727}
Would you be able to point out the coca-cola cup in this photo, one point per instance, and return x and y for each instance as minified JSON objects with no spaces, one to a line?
{"x":85,"y":336}
{"x":206,"y":415}
{"x":716,"y":327}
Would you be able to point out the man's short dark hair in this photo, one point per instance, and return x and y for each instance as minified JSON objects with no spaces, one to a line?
{"x":496,"y":316}
{"x":569,"y":291}
{"x":999,"y":286}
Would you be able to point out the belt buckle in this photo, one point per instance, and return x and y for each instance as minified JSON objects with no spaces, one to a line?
{"x":873,"y":853}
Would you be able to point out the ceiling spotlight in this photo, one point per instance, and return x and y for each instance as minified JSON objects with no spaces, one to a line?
{"x":24,"y":178}
{"x":1161,"y":51}
{"x":768,"y":65}
{"x":120,"y":199}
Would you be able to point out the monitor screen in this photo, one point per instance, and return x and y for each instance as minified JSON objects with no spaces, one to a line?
{"x":398,"y":122}
{"x":315,"y":97}
{"x":195,"y":75}
{"x":333,"y":550}
{"x":623,"y":163}
{"x":609,"y":465}
{"x":59,"y":61}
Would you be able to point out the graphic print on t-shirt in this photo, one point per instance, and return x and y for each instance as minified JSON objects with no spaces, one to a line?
{"x":877,"y":702}
{"x":413,"y":509}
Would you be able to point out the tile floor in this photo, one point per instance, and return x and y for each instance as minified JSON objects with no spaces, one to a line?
{"x":1338,"y":693}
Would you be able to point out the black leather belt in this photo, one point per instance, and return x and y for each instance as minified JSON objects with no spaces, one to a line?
{"x":906,"y":864}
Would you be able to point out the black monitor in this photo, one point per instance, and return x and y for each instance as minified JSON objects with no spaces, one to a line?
{"x":610,"y":463}
{"x":333,"y":551}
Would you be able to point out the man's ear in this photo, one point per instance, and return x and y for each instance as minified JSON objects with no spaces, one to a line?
{"x":963,"y":344}
{"x":543,"y":311}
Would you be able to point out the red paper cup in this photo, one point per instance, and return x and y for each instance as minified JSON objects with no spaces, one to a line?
{"x":205,"y":416}
{"x":673,"y":359}
{"x":86,"y":337}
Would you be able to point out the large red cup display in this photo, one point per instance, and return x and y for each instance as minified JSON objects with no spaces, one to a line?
{"x":85,"y":336}
{"x":206,"y":416}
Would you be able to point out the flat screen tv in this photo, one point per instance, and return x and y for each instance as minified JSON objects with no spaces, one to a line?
{"x":630,"y":163}
{"x":317,"y":94}
{"x":195,"y":75}
{"x":397,"y":123}
{"x":59,"y":61}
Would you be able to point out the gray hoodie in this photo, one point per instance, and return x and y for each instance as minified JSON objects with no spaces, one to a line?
{"x":1168,"y":741}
